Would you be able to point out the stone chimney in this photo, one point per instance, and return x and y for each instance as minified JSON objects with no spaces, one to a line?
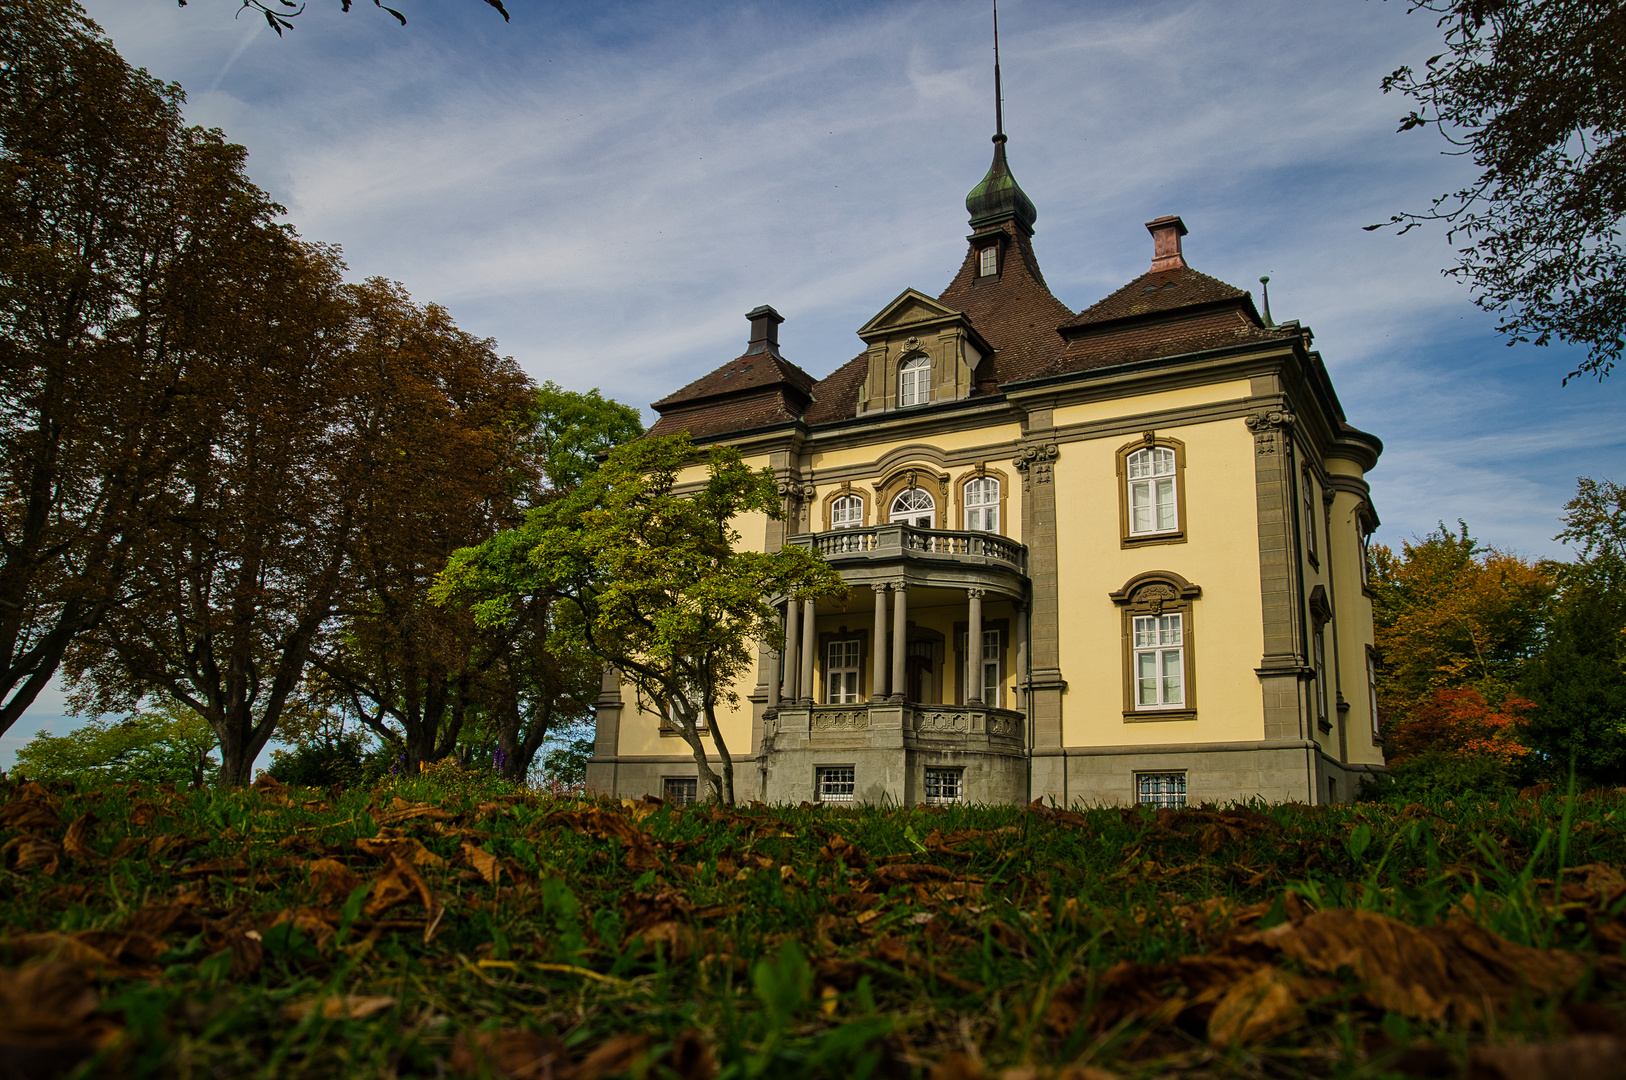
{"x":1166,"y":233}
{"x":764,"y":330}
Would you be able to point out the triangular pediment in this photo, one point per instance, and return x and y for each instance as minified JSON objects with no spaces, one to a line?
{"x":911,"y":308}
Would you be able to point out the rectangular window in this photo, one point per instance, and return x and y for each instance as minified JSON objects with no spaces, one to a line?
{"x":841,"y":670}
{"x":680,"y":791}
{"x":1321,"y":673}
{"x":1372,"y":691}
{"x":988,"y":261}
{"x":1159,"y":661}
{"x":1309,"y":515}
{"x":834,"y":783}
{"x":1153,"y":506}
{"x":992,"y":655}
{"x":1166,"y":789}
{"x":945,"y":785}
{"x":1366,"y":559}
{"x":982,"y":505}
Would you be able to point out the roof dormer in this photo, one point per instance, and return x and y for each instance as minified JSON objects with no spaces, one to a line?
{"x":920,"y":351}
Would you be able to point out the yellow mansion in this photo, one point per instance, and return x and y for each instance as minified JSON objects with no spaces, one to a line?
{"x":1114,"y":555}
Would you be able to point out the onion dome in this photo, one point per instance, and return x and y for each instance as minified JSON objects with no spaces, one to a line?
{"x":997,"y":198}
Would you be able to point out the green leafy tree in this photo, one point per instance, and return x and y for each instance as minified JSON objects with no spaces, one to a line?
{"x":1579,"y":679}
{"x":1533,"y":92}
{"x":649,"y":579}
{"x":167,"y":744}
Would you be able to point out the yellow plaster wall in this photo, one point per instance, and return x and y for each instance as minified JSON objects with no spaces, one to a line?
{"x":1115,"y":408}
{"x":1352,"y":615}
{"x":1221,"y":555}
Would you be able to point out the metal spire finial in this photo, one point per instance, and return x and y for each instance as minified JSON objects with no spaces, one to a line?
{"x":1265,"y":281}
{"x":999,"y":100}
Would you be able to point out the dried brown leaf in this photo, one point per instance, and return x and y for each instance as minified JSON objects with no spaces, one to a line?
{"x":484,"y":863}
{"x":48,"y":1020}
{"x":338,"y":1007}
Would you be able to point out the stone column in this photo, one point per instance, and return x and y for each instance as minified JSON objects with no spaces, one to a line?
{"x":973,"y":649}
{"x":810,"y":645}
{"x":1036,"y":463}
{"x":900,"y":639}
{"x":877,"y":690}
{"x":1284,"y":670}
{"x":793,"y":632}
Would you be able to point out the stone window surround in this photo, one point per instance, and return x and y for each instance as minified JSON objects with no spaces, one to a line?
{"x":1150,"y":440}
{"x":841,"y":492}
{"x":1314,"y":527}
{"x":981,"y":471}
{"x":1158,"y":592}
{"x":905,"y":477}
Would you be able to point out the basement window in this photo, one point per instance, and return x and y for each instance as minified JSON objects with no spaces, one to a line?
{"x":835,"y":783}
{"x":1166,"y":790}
{"x":680,"y":791}
{"x":945,"y":785}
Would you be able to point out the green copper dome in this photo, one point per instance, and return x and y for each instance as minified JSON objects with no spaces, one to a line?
{"x":998,"y":198}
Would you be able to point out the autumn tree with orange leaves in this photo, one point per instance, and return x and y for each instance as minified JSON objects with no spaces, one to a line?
{"x":1456,"y":624}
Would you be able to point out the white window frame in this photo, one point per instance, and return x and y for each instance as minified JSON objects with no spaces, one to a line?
{"x":944,"y":785}
{"x":847,"y":512}
{"x":982,"y":504}
{"x":1164,"y":790}
{"x":1365,"y":540}
{"x":1161,"y":641}
{"x":1154,"y":489}
{"x":988,"y":261}
{"x":915,"y":381}
{"x":843,"y":660}
{"x":835,"y":783}
{"x":992,"y":666}
{"x":912,"y":516}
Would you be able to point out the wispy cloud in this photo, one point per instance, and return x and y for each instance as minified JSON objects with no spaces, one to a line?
{"x":606,"y":189}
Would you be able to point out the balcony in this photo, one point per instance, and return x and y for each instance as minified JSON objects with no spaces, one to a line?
{"x":923,"y":556}
{"x":953,"y":728}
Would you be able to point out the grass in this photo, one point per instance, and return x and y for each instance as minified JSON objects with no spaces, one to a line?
{"x":440,"y":929}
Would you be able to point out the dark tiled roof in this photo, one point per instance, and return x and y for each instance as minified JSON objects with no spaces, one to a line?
{"x":727,"y":415}
{"x":1172,"y":335}
{"x":835,"y":397}
{"x":1016,"y":313}
{"x":743,"y":373}
{"x":1156,"y":292}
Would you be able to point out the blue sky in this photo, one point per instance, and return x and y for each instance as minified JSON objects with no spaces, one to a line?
{"x":606,"y":188}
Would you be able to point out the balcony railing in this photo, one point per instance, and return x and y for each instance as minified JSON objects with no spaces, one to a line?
{"x":907,"y":541}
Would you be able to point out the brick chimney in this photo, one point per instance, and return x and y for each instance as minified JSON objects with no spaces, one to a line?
{"x":764,"y":330}
{"x":1166,"y":233}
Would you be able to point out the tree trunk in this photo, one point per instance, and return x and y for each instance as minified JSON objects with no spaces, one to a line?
{"x":722,"y":753}
{"x":710,"y":783}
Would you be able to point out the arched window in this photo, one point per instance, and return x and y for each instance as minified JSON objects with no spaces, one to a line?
{"x":914,"y":381}
{"x":914,"y":506}
{"x":982,"y":504}
{"x":847,"y":512}
{"x":1153,"y":506}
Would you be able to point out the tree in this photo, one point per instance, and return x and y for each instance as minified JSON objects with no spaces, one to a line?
{"x":246,"y":568}
{"x":126,"y":244}
{"x":1579,"y":678}
{"x":279,"y":13}
{"x":1451,"y":615}
{"x":446,"y":421}
{"x":1460,"y":722}
{"x":469,"y":445}
{"x":647,"y":577}
{"x":167,"y":744}
{"x":1533,"y":92}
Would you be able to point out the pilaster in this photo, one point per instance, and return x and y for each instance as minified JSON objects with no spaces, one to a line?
{"x":1035,"y":462}
{"x":1284,"y":668}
